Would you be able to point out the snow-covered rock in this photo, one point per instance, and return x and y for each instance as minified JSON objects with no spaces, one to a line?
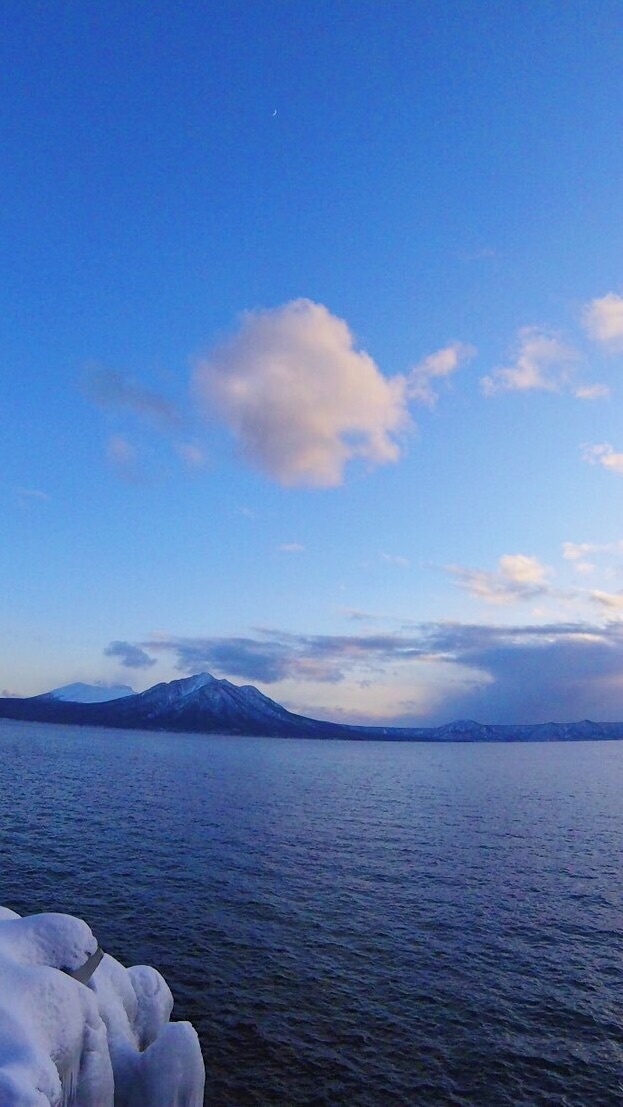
{"x":107,"y":1043}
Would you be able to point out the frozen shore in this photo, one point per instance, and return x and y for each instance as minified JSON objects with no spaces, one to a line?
{"x":106,"y":1043}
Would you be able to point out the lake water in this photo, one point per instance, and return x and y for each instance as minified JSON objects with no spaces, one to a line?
{"x":363,"y":924}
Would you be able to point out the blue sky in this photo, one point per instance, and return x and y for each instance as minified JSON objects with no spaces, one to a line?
{"x":312,"y":341}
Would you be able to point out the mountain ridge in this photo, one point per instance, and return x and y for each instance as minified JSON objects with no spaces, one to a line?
{"x":205,"y":704}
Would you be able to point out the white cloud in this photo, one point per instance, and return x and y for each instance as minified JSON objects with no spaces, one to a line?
{"x":591,"y":392}
{"x":291,"y":547}
{"x":436,"y":367}
{"x":603,"y":320}
{"x":518,"y":577}
{"x":578,"y":551}
{"x":602,"y":453}
{"x":298,"y":397}
{"x":542,"y":362}
{"x":522,"y":569}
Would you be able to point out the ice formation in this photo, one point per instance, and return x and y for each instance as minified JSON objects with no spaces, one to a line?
{"x":107,"y":1043}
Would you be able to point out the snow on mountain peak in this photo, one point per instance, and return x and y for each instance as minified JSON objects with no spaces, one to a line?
{"x":192,"y":684}
{"x":90,"y":693}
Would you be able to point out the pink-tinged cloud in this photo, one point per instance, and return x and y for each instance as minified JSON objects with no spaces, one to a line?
{"x":436,"y":367}
{"x":612,"y":601}
{"x":542,"y":363}
{"x":602,"y":453}
{"x":591,"y":392}
{"x":298,"y":397}
{"x":518,"y":577}
{"x":603,"y":320}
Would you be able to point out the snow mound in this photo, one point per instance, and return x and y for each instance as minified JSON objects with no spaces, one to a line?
{"x":107,"y":1043}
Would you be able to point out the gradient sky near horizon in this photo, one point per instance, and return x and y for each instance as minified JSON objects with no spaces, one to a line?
{"x":312,"y":341}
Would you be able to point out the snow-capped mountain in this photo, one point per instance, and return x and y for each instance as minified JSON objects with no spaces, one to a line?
{"x":88,"y":693}
{"x":203,"y":704}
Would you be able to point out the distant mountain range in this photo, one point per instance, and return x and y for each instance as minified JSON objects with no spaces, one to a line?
{"x":202,"y":704}
{"x":88,"y":693}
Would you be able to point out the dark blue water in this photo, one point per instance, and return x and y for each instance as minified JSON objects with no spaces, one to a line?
{"x":358,"y":924}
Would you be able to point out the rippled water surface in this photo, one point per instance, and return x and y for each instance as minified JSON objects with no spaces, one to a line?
{"x":359,"y":924}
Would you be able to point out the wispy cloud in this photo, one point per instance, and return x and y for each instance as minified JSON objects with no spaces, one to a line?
{"x":482,"y":253}
{"x":123,"y":457}
{"x":591,"y":392}
{"x":291,"y":547}
{"x":603,"y":320}
{"x":243,"y":657}
{"x":579,"y":553}
{"x":603,"y":454}
{"x":274,"y":656}
{"x":518,"y":577}
{"x":543,"y":362}
{"x":436,"y":367}
{"x":130,"y":655}
{"x":193,"y":455}
{"x":357,"y":615}
{"x":396,"y":559}
{"x":109,"y":389}
{"x":612,"y":601}
{"x":299,"y":398}
{"x":32,"y":494}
